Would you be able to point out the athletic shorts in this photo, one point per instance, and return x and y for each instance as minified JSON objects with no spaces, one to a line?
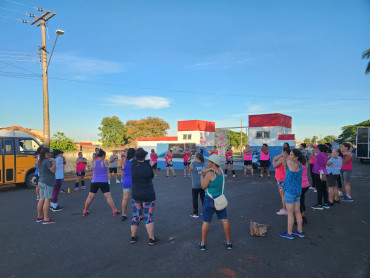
{"x":126,"y":190}
{"x":137,"y":210}
{"x":229,"y":162}
{"x":186,"y":163}
{"x":154,"y":166}
{"x":291,"y":199}
{"x":345,"y":175}
{"x":247,"y":162}
{"x":113,"y":170}
{"x":46,"y":192}
{"x":280,"y":185}
{"x":265,"y":163}
{"x":37,"y":179}
{"x":81,"y":174}
{"x":331,"y":180}
{"x":103,"y":186}
{"x":209,"y":209}
{"x":169,"y":165}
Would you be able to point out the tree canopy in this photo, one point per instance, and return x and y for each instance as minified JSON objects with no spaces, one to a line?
{"x":148,"y":127}
{"x":235,"y":139}
{"x":349,"y":132}
{"x":61,"y":142}
{"x":366,"y":55}
{"x":112,"y":132}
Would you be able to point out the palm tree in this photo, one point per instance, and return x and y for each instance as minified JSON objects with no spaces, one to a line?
{"x":366,"y":55}
{"x":314,"y":140}
{"x":307,"y":141}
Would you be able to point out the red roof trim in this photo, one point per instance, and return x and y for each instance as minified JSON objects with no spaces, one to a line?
{"x":196,"y":125}
{"x":276,"y":119}
{"x":168,"y":138}
{"x":286,"y":136}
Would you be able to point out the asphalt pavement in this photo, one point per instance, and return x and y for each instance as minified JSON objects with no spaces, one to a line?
{"x":336,"y":244}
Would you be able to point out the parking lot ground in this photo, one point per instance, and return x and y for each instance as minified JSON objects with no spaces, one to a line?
{"x":337,"y":240}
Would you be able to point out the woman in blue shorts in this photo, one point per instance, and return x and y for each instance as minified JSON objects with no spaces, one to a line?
{"x":292,"y":196}
{"x":126,"y":180}
{"x":212,"y":181}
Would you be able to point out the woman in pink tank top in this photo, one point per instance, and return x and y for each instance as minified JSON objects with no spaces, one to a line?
{"x":265,"y":160}
{"x":279,"y":163}
{"x":346,"y":171}
{"x":247,"y":156}
{"x":305,"y":186}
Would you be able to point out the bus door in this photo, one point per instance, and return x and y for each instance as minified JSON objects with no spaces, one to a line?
{"x":8,"y":160}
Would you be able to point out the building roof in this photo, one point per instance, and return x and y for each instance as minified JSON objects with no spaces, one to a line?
{"x":19,"y":128}
{"x":265,"y":120}
{"x":196,"y":125}
{"x":166,"y":138}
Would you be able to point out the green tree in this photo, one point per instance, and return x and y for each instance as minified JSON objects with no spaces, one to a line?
{"x":330,"y":138}
{"x":349,"y":132}
{"x":149,"y":127}
{"x":112,"y":132}
{"x":307,"y":141}
{"x":61,"y":142}
{"x":235,"y":139}
{"x":366,"y":55}
{"x":314,"y":140}
{"x":322,"y":141}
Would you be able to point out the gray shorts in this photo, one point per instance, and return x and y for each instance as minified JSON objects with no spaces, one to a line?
{"x":46,"y":192}
{"x":331,"y":180}
{"x":345,"y":175}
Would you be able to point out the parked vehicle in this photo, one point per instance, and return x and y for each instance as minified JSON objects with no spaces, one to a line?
{"x":17,"y":150}
{"x":363,"y":143}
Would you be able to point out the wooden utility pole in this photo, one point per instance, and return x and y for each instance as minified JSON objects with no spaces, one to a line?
{"x":45,"y":89}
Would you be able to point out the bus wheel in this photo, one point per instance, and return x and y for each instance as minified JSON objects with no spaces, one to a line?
{"x":31,"y":180}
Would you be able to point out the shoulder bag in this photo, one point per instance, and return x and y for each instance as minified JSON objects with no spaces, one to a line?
{"x":220,"y":201}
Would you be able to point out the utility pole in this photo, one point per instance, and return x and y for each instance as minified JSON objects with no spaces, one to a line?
{"x":241,"y":135}
{"x":43,"y":19}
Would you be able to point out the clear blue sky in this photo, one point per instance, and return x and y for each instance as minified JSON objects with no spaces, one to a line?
{"x":300,"y":58}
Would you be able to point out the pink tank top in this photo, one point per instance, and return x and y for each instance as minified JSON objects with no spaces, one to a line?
{"x":168,"y":159}
{"x":247,"y":156}
{"x":264,"y":156}
{"x":312,"y":159}
{"x":305,"y":182}
{"x":347,"y":166}
{"x":280,"y":173}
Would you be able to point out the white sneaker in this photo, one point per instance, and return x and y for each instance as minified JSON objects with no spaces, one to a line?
{"x":188,"y":176}
{"x":311,"y":187}
{"x":233,"y":176}
{"x":314,"y":190}
{"x":117,"y":181}
{"x":108,"y":182}
{"x":282,"y":212}
{"x":225,"y":175}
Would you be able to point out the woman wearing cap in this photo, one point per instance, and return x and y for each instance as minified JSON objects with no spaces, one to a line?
{"x":212,"y":181}
{"x":126,"y":180}
{"x":196,"y":168}
{"x":100,"y":181}
{"x":143,"y":196}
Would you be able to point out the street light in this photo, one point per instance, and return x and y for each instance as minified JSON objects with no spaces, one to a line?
{"x":59,"y":33}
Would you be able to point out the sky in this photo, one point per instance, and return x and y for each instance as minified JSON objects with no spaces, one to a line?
{"x":183,"y":60}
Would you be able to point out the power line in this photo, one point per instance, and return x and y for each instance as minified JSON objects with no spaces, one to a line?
{"x":17,"y":52}
{"x":14,"y":56}
{"x":24,"y":13}
{"x":10,"y":18}
{"x":21,"y":60}
{"x":21,"y":4}
{"x":12,"y":64}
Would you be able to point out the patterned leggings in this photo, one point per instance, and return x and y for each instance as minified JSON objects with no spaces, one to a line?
{"x":137,"y":209}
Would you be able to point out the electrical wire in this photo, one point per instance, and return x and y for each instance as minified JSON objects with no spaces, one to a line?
{"x":10,"y":18}
{"x":24,"y":13}
{"x":12,"y":64}
{"x":13,"y":56}
{"x":17,"y":52}
{"x":21,"y":4}
{"x":21,"y":60}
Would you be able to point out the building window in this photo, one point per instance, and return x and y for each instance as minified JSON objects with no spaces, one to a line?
{"x":262,"y":134}
{"x":186,"y":137}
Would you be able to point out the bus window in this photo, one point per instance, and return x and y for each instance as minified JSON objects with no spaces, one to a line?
{"x":27,"y":146}
{"x":8,"y":147}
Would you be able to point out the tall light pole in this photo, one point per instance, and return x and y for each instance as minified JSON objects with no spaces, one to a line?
{"x":43,"y":19}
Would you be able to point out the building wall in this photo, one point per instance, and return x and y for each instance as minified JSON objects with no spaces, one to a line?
{"x":272,"y":141}
{"x":204,"y":138}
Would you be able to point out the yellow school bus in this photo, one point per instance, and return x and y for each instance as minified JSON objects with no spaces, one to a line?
{"x":17,"y":164}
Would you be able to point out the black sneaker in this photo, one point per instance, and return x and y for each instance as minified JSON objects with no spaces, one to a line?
{"x":317,"y":207}
{"x":58,"y":208}
{"x":261,"y":177}
{"x":326,"y":205}
{"x":133,"y":239}
{"x":336,"y":202}
{"x":228,"y":246}
{"x":202,"y":247}
{"x":123,"y":217}
{"x":330,"y":204}
{"x":153,"y":241}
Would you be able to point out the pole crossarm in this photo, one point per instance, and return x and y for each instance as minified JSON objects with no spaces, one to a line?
{"x":40,"y":17}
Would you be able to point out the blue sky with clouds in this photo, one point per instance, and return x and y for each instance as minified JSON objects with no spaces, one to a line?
{"x":180,"y":60}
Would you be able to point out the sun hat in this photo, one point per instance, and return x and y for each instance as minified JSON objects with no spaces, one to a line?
{"x":215,"y":159}
{"x":315,"y":146}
